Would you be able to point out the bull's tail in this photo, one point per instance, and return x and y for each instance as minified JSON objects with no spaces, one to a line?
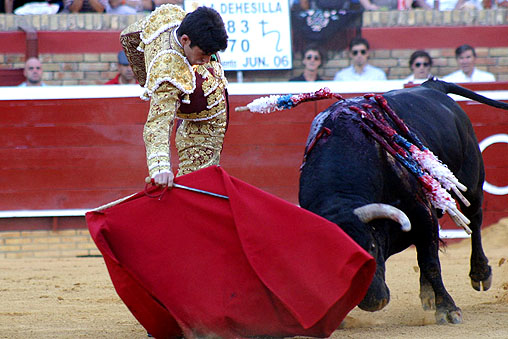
{"x":447,"y":87}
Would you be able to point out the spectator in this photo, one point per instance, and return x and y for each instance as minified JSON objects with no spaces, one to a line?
{"x":157,"y":3}
{"x":301,"y":5}
{"x":126,"y":6}
{"x":500,"y":4}
{"x":420,"y":63}
{"x":360,"y":69}
{"x":449,"y":5}
{"x":136,"y":6}
{"x":125,"y":74}
{"x":386,"y":5}
{"x":11,"y":6}
{"x":86,"y":6}
{"x":32,"y":73}
{"x":466,"y":58}
{"x":312,"y":60}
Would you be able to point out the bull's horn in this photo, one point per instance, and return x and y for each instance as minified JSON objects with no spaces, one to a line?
{"x":383,"y":211}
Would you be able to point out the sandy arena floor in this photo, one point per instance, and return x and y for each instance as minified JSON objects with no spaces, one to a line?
{"x":74,"y":298}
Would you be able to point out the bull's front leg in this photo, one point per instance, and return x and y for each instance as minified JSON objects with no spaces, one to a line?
{"x":428,"y":260}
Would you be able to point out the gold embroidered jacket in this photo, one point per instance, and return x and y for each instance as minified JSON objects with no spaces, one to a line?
{"x":175,"y":87}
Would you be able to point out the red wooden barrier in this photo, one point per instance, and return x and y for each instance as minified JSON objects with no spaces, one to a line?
{"x":59,"y":154}
{"x":11,"y":77}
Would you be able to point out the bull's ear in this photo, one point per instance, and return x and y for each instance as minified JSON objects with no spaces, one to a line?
{"x":370,"y":212}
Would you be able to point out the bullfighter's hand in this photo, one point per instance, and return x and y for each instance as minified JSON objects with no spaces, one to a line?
{"x":164,"y":179}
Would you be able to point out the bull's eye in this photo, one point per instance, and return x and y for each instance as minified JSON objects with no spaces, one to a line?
{"x":373,"y":245}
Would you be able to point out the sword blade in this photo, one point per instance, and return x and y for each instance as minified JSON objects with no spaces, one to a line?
{"x":200,"y":191}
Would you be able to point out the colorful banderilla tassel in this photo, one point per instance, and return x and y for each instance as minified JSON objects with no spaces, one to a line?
{"x":274,"y":103}
{"x":433,"y":175}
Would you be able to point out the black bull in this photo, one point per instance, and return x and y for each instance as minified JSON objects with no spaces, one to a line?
{"x":345,"y":168}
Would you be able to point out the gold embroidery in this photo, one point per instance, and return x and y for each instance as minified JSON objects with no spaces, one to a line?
{"x":219,"y":73}
{"x":173,"y":44}
{"x":148,"y":31}
{"x":212,"y":81}
{"x":173,"y":68}
{"x":166,"y":64}
{"x":158,"y":126}
{"x":214,"y":84}
{"x":160,"y":20}
{"x":216,"y":95}
{"x":199,"y":143}
{"x":205,"y":114}
{"x":130,"y":40}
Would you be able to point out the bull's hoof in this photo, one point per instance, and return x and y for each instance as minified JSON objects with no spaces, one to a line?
{"x":377,"y":296}
{"x":485,"y":283}
{"x":373,"y":306}
{"x":481,"y":276}
{"x":449,"y":317}
{"x":427,"y":297}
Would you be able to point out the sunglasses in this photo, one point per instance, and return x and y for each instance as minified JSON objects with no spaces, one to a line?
{"x":315,"y":57}
{"x":419,"y":64}
{"x":362,"y":51}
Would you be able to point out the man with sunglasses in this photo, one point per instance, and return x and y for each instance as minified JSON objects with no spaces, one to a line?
{"x":312,"y":60}
{"x":466,"y":58}
{"x":420,"y":63}
{"x":360,"y":69}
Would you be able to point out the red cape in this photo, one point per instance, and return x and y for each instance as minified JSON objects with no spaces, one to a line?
{"x":253,"y":265}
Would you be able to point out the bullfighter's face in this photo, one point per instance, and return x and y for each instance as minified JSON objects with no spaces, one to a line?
{"x":194,"y":54}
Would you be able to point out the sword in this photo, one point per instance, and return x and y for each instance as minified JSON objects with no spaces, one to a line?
{"x":148,"y":180}
{"x":200,"y":191}
{"x":192,"y":189}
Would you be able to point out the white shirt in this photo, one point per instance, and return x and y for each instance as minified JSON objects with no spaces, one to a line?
{"x":369,"y":73}
{"x":23,"y":84}
{"x":449,"y":5}
{"x":476,"y":76}
{"x":412,"y":79}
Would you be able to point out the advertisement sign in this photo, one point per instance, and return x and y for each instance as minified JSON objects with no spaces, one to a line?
{"x":259,"y":33}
